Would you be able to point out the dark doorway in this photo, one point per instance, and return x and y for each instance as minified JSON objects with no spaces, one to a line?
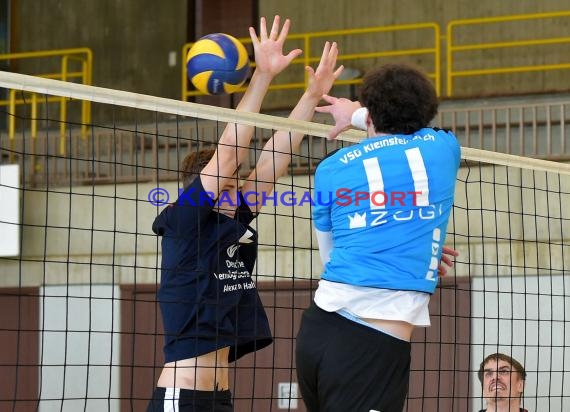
{"x":4,"y":30}
{"x":232,"y":17}
{"x":19,"y":349}
{"x":220,"y":16}
{"x":4,"y":49}
{"x":439,"y":379}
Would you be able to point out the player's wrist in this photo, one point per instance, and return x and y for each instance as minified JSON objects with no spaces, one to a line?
{"x":310,"y":95}
{"x":261,"y":78}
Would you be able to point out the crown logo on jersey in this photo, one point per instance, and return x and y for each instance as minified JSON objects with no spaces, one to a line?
{"x":357,"y":220}
{"x":232,"y":250}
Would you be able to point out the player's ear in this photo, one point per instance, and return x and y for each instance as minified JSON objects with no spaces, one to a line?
{"x":369,"y":124}
{"x":520,"y":385}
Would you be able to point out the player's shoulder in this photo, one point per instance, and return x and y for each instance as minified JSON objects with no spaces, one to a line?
{"x":446,"y":137}
{"x":446,"y":133}
{"x":439,"y":131}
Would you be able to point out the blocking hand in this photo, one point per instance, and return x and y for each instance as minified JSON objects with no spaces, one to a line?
{"x":341,"y":111}
{"x":269,"y":57}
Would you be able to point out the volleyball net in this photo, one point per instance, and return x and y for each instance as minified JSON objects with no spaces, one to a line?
{"x":80,"y":265}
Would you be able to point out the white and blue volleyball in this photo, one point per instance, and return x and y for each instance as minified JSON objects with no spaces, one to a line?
{"x":217,"y":64}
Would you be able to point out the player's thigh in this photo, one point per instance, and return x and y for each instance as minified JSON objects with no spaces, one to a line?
{"x":310,"y":345}
{"x":363,"y":369}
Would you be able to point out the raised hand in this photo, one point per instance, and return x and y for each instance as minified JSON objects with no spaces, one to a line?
{"x":322,"y":79}
{"x":269,"y":57}
{"x":277,"y":152}
{"x":341,"y":111}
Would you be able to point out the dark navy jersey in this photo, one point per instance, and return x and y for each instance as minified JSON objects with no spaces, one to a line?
{"x":207,"y":297}
{"x":387,"y":201}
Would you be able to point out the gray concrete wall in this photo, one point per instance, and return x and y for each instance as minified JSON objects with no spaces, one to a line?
{"x":102,"y":234}
{"x":321,"y":15}
{"x":131,"y":40}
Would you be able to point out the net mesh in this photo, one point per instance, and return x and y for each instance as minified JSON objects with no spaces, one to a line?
{"x":81,"y":328}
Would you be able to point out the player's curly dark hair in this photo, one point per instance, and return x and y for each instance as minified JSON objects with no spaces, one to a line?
{"x":193,"y":164}
{"x":400,"y":99}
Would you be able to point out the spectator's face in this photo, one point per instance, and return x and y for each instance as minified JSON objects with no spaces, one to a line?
{"x":500,"y":380}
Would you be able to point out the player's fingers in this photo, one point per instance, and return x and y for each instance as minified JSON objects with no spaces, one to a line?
{"x":293,"y":54}
{"x":275,"y":28}
{"x":284,"y":31}
{"x":450,"y":251}
{"x":329,"y":99}
{"x":338,"y":71}
{"x":323,"y":109}
{"x":447,"y":260}
{"x":333,"y":51}
{"x":253,"y":35}
{"x":262,"y":29}
{"x":326,"y":50}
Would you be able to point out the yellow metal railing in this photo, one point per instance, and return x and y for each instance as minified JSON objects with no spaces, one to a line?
{"x":453,"y":46}
{"x":84,"y":56}
{"x":422,"y":41}
{"x":433,"y":49}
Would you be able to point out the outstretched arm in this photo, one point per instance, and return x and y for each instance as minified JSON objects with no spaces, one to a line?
{"x":234,"y":141}
{"x":276,"y":154}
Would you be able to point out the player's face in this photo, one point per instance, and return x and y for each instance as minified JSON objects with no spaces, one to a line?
{"x":227,"y":201}
{"x":501,"y":381}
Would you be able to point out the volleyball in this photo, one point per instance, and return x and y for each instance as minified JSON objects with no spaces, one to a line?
{"x":217,"y":64}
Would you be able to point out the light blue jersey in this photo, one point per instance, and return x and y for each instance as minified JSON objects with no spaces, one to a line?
{"x":387,"y":202}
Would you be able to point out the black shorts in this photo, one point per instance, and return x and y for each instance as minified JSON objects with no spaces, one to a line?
{"x":345,"y":366}
{"x":191,"y":401}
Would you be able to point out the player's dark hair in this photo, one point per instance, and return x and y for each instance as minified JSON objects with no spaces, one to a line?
{"x":501,"y":356}
{"x":400,"y":99}
{"x":193,"y":164}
